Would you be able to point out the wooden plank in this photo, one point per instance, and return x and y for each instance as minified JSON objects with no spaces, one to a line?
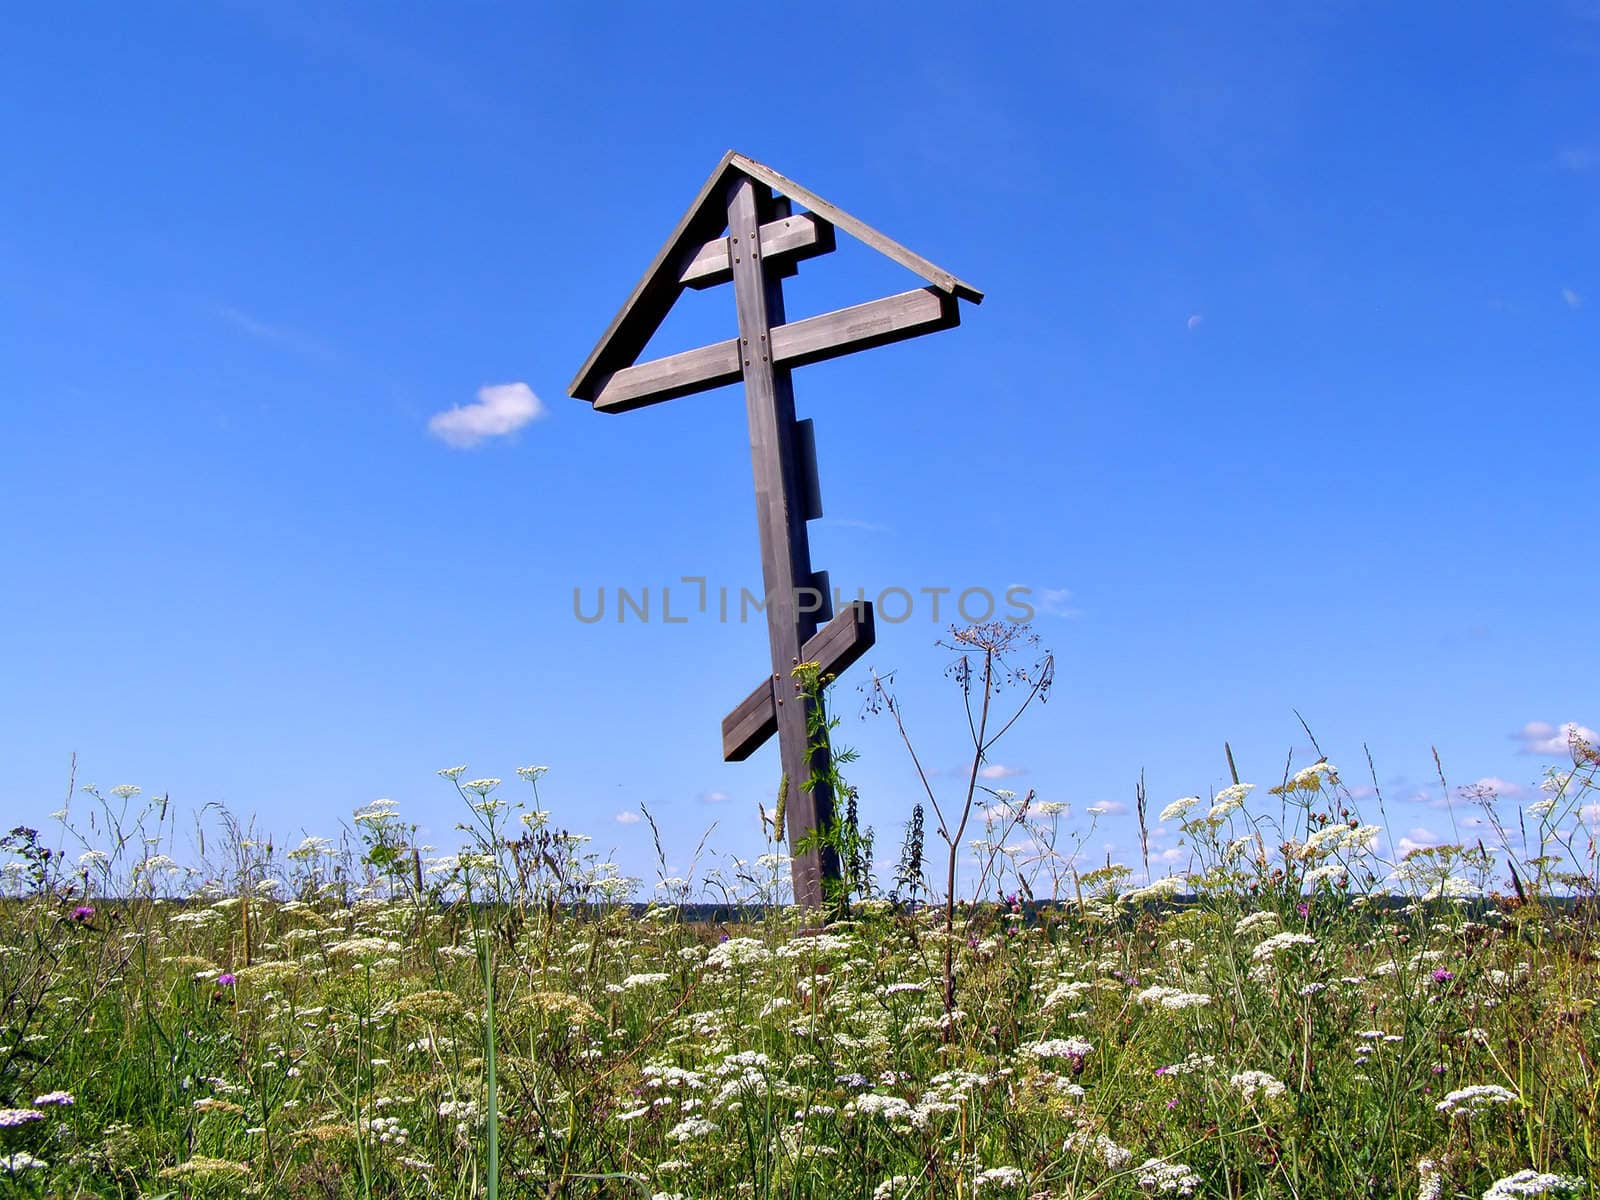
{"x":670,"y":377}
{"x":653,"y":296}
{"x":863,"y":326}
{"x":805,"y":446}
{"x":749,"y":725}
{"x":910,"y":259}
{"x":815,"y":339}
{"x":788,"y":240}
{"x":837,"y":646}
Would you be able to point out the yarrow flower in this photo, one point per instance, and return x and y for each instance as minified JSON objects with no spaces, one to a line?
{"x":16,"y":1164}
{"x":55,"y":1100}
{"x":1528,"y":1182}
{"x":11,"y":1118}
{"x":1076,"y":1048}
{"x":1251,"y":1084}
{"x":1475,"y":1099}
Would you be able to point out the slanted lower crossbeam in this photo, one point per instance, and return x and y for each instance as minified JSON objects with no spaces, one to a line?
{"x":833,"y":648}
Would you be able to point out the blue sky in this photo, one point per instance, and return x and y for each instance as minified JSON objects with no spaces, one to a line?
{"x":1281,"y":390}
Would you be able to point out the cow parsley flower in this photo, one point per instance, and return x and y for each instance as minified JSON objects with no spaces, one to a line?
{"x":11,"y":1118}
{"x":16,"y":1164}
{"x":1280,"y":941}
{"x":1176,"y":810}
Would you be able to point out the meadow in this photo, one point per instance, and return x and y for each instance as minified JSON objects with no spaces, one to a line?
{"x":1299,"y":1013}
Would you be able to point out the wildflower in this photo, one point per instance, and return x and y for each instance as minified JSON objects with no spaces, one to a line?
{"x":1074,"y":1048}
{"x":892,"y":1188}
{"x":1440,"y":975}
{"x":83,"y":913}
{"x":125,"y":791}
{"x":227,"y":979}
{"x":1251,"y":1084}
{"x":1280,"y":941}
{"x":1170,"y":997}
{"x":55,"y":1100}
{"x":690,"y":1129}
{"x":999,"y":1177}
{"x":1159,"y":1175}
{"x":1528,"y":1182}
{"x":11,"y":1118}
{"x":1430,"y":1180}
{"x":1257,"y":922}
{"x":16,"y":1164}
{"x":481,"y":786}
{"x":1541,"y":808}
{"x":1178,"y":808}
{"x":454,"y":773}
{"x":531,"y":773}
{"x":1475,"y":1099}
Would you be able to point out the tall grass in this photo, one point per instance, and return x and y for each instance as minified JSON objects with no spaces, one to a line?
{"x":1298,"y":1013}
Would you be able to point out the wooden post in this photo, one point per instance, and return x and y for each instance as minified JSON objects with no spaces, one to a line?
{"x":785,"y":543}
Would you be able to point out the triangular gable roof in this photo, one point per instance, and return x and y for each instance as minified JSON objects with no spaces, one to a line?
{"x":654,"y":295}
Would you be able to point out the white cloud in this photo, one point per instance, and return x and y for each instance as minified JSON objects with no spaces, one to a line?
{"x":1000,"y":771}
{"x":1419,"y":839}
{"x":1500,"y":787}
{"x":501,"y":408}
{"x":1195,"y":321}
{"x":1176,"y":854}
{"x":1541,"y":737}
{"x":1590,"y":813}
{"x":628,"y":818}
{"x":1108,"y":808}
{"x":1055,"y":602}
{"x":1571,"y":297}
{"x":714,"y":797}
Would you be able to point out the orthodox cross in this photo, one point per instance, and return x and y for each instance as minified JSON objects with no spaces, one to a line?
{"x":742,"y":228}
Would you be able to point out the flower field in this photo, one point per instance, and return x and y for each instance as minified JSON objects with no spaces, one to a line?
{"x":363,"y":1019}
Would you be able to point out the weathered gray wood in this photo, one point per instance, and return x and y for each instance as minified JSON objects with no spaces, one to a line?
{"x":786,"y":240}
{"x":815,"y":339}
{"x":835,"y":647}
{"x":652,"y":297}
{"x":805,"y":446}
{"x":888,"y":247}
{"x":749,"y":725}
{"x":785,"y":545}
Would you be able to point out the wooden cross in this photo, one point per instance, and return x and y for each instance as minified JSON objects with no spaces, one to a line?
{"x":742,"y":229}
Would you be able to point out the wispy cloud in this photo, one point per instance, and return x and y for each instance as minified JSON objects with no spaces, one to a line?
{"x":501,"y":409}
{"x":1195,"y":321}
{"x":1541,"y":737}
{"x":1000,"y":771}
{"x":1578,"y":158}
{"x":274,"y":334}
{"x":628,"y":818}
{"x":1500,"y":787}
{"x":1572,"y":298}
{"x":1054,"y":602}
{"x":1107,"y":808}
{"x":714,"y":797}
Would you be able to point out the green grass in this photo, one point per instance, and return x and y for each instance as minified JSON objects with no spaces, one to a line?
{"x":319,"y":1023}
